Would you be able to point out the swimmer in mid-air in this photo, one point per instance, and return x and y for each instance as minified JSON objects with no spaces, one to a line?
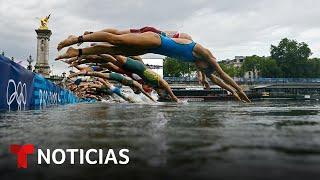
{"x":135,"y":44}
{"x":116,"y":77}
{"x":172,"y":34}
{"x":131,"y":65}
{"x":104,"y":86}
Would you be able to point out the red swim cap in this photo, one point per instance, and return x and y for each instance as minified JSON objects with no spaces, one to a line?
{"x":147,"y":88}
{"x":176,"y":35}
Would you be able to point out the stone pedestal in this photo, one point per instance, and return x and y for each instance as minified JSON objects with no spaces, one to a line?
{"x":42,"y":65}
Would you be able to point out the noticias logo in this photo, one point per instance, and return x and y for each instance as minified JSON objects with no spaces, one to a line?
{"x":59,"y":156}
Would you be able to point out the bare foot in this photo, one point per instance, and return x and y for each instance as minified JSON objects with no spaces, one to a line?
{"x":71,"y":52}
{"x":68,"y":42}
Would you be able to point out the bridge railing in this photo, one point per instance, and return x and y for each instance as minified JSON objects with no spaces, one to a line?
{"x":180,"y":79}
{"x":248,"y":80}
{"x":277,"y":80}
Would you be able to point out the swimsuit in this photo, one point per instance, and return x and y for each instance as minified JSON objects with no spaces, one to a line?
{"x":118,"y":77}
{"x":146,"y":74}
{"x":95,"y":68}
{"x":170,"y":48}
{"x":134,"y":66}
{"x":151,"y":78}
{"x":208,"y":71}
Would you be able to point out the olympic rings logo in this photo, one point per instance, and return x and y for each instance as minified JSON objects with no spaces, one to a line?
{"x":19,"y":94}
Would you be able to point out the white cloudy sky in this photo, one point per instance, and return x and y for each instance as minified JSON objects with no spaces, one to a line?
{"x":227,"y":27}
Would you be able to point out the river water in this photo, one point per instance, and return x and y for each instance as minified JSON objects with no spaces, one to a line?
{"x":224,"y":140}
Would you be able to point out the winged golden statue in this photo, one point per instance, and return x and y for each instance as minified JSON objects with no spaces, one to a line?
{"x":44,"y":22}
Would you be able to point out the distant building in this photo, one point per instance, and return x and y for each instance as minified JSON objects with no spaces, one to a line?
{"x":156,"y":64}
{"x":237,"y":62}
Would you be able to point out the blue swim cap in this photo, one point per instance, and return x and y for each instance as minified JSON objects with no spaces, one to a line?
{"x":78,"y":81}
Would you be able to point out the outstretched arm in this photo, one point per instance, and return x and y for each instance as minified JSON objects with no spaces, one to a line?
{"x":223,"y":85}
{"x":109,"y":58}
{"x":203,"y":80}
{"x":84,"y":69}
{"x":208,"y":56}
{"x":98,"y":49}
{"x":113,"y":68}
{"x":231,"y":82}
{"x":139,"y":86}
{"x":117,"y":91}
{"x":166,"y":87}
{"x":92,"y":37}
{"x":135,"y":83}
{"x":97,"y":74}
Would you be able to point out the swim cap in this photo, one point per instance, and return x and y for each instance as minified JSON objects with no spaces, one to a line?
{"x":116,"y":90}
{"x":77,"y":82}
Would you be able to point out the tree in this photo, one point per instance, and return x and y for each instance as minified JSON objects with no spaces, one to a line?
{"x":230,"y":70}
{"x":292,"y":57}
{"x":252,"y":63}
{"x":313,"y":68}
{"x":269,"y":68}
{"x":175,"y":68}
{"x":266,"y":66}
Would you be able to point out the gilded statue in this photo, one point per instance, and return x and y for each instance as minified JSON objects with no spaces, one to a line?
{"x":44,"y":22}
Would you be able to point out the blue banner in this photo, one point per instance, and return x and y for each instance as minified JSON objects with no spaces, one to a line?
{"x":21,"y":89}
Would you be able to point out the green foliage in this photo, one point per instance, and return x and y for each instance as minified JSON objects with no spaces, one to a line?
{"x":251,"y":63}
{"x":292,"y":58}
{"x":313,"y":68}
{"x":289,"y":59}
{"x":269,"y":68}
{"x":266,"y":66}
{"x":230,"y":70}
{"x":175,"y":68}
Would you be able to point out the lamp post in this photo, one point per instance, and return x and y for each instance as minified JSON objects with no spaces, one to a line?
{"x":30,"y":60}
